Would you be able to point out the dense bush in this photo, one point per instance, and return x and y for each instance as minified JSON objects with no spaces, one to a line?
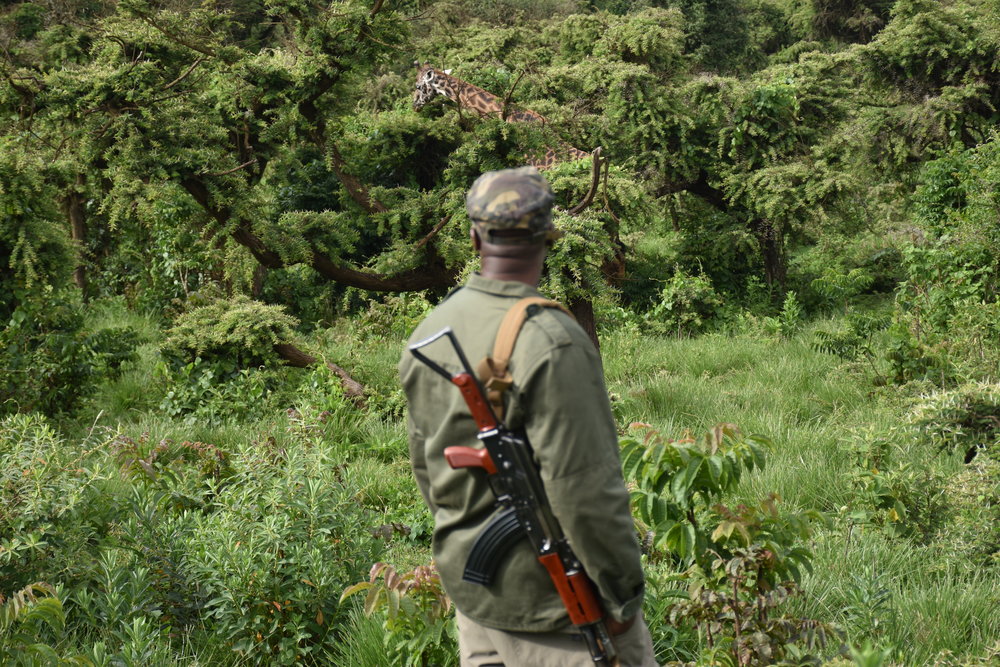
{"x":51,"y":359}
{"x":255,"y":545}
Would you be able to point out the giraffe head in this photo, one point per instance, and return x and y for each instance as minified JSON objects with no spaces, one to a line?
{"x":430,"y":82}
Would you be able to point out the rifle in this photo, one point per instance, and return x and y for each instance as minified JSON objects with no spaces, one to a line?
{"x":506,"y":458}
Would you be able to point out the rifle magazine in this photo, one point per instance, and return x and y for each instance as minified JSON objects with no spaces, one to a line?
{"x":490,"y":547}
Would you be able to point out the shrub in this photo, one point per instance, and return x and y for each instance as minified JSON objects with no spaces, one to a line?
{"x":50,"y":360}
{"x":972,"y":531}
{"x":271,"y":557}
{"x":47,"y":510}
{"x":741,"y":562}
{"x":221,"y":361}
{"x":30,"y":616}
{"x":237,"y":330}
{"x":965,"y":419}
{"x":687,"y":303}
{"x":417,"y":614}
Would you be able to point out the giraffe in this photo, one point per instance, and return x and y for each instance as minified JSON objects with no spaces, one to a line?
{"x":432,"y":82}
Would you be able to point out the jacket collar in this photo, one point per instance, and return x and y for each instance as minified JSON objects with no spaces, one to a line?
{"x":510,"y":288}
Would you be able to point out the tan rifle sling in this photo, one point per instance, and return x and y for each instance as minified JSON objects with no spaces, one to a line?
{"x":492,"y":370}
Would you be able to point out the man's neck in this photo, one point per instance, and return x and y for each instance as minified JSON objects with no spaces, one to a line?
{"x":516,"y":269}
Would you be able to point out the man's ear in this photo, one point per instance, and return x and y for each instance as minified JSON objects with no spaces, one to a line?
{"x":477,"y":242}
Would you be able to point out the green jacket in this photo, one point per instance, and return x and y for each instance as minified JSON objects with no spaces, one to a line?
{"x":559,"y":399}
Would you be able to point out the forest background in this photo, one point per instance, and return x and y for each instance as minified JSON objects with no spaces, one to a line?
{"x":221,"y":219}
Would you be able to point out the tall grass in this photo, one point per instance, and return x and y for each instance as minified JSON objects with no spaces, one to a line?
{"x":913,"y":595}
{"x":815,"y":408}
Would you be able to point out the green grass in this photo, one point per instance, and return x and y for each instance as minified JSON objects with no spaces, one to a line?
{"x":922,"y":598}
{"x":803,"y":401}
{"x":814,"y":408}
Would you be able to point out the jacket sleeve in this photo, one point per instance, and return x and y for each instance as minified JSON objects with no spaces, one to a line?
{"x":568,"y":420}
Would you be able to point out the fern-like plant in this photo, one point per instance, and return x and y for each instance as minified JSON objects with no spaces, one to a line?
{"x":24,"y":618}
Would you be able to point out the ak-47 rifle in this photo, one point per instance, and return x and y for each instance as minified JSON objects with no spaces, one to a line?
{"x":506,"y":457}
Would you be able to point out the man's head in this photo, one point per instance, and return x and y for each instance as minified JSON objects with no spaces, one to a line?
{"x":512,"y":207}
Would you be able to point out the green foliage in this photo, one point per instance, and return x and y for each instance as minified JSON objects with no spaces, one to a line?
{"x":221,"y":360}
{"x":741,"y":561}
{"x":161,"y":262}
{"x":687,"y":304}
{"x":26,"y":618}
{"x":272,"y":557}
{"x":931,"y":45}
{"x":392,"y":316}
{"x":40,"y":493}
{"x":204,"y":143}
{"x":34,"y":251}
{"x":838,"y":288}
{"x":906,"y":499}
{"x":946,"y":314}
{"x":675,"y":478}
{"x":50,"y":360}
{"x":960,"y":420}
{"x":972,"y":532}
{"x":235,"y":329}
{"x":738,"y":617}
{"x":210,"y":393}
{"x":857,"y":339}
{"x":417,"y":613}
{"x":788,"y":321}
{"x":848,"y":21}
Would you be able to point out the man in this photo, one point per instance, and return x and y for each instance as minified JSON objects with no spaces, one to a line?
{"x":559,"y":400}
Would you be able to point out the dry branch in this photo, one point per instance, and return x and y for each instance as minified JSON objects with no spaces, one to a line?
{"x":293,"y":356}
{"x":595,"y":181}
{"x":434,"y":232}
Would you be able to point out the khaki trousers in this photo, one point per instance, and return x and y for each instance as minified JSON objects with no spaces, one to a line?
{"x":480,"y":646}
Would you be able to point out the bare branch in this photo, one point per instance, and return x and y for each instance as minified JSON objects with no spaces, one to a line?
{"x":434,"y":232}
{"x":184,"y":75}
{"x":510,"y":93}
{"x":242,"y":166}
{"x":595,"y":181}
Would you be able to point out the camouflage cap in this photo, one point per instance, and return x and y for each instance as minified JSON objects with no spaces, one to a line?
{"x":501,"y":203}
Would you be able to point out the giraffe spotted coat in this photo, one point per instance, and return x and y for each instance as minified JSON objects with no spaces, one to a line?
{"x":432,"y":82}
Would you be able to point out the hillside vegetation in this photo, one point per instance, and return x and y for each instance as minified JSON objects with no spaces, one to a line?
{"x":220,"y":220}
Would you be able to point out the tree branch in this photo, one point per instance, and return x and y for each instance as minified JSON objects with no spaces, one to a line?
{"x":431,"y":275}
{"x":434,"y":232}
{"x":234,"y":169}
{"x":355,"y":188}
{"x":510,"y":93}
{"x":293,"y":356}
{"x":183,"y":76}
{"x":595,"y":182}
{"x":179,"y":40}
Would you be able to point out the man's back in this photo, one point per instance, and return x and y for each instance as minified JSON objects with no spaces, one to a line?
{"x":559,"y":399}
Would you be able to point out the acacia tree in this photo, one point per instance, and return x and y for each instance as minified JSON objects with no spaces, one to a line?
{"x":153,"y":99}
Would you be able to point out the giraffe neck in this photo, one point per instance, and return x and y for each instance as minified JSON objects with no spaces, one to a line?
{"x":484,"y":103}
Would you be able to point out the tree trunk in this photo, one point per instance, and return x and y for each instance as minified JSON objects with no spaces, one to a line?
{"x":73,"y":208}
{"x":772,"y":250}
{"x":257,"y":283}
{"x":583,"y":311}
{"x":293,"y":356}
